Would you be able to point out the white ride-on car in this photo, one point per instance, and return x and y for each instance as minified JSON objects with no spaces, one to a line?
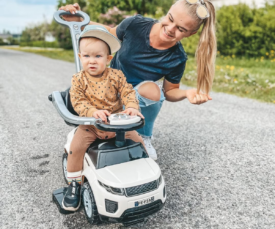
{"x":121,"y":183}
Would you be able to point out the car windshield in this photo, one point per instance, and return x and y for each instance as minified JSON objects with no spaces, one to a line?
{"x":114,"y":157}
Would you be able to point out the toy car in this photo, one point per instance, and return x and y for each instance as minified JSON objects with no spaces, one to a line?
{"x":120,"y":182}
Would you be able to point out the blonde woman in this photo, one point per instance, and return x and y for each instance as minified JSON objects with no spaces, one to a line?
{"x":151,"y":50}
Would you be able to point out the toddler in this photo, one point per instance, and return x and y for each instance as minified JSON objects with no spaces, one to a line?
{"x":97,"y":91}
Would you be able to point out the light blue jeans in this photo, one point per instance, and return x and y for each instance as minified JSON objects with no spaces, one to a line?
{"x":150,"y":110}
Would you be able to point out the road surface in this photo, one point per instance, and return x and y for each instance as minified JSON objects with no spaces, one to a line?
{"x":218,"y":159}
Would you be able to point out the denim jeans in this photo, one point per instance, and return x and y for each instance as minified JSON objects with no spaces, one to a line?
{"x":149,"y":110}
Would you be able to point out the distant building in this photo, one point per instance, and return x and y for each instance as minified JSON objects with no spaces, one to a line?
{"x":6,"y":37}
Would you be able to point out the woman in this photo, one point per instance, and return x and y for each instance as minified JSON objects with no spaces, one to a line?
{"x":152,"y":50}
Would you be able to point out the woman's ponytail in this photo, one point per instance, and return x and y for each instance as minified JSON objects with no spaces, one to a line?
{"x":206,"y":51}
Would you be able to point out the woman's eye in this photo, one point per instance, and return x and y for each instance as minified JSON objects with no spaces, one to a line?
{"x":170,"y":19}
{"x":181,"y":30}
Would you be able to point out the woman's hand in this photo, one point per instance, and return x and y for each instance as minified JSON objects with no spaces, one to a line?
{"x":196,"y":98}
{"x":73,"y":10}
{"x":132,"y":112}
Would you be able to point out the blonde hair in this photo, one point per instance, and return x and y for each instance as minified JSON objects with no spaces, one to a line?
{"x":207,"y":47}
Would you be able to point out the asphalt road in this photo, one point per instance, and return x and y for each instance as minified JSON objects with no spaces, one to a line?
{"x":218,"y":159}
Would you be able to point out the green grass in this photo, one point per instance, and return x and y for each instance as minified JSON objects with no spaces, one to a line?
{"x":252,"y":78}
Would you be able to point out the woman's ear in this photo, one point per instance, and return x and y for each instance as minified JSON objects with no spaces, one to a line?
{"x":110,"y":57}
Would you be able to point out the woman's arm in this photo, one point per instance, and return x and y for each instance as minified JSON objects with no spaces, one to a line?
{"x":74,"y":8}
{"x":173,"y":93}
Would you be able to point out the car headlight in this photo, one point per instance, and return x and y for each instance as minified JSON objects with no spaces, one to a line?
{"x":160,"y":180}
{"x":116,"y":191}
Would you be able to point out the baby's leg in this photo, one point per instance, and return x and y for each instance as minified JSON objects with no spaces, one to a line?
{"x":133,"y":135}
{"x":82,"y":139}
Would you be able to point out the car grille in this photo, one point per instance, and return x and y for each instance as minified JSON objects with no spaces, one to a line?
{"x":140,"y":189}
{"x":142,"y":211}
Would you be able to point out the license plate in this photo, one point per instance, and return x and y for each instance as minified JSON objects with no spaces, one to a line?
{"x":144,"y":201}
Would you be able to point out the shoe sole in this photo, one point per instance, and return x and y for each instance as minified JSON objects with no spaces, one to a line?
{"x":70,"y":208}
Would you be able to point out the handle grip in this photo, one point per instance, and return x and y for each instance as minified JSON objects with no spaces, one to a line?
{"x":57,"y":17}
{"x":75,"y":29}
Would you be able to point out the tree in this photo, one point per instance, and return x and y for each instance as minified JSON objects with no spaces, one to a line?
{"x":97,"y":7}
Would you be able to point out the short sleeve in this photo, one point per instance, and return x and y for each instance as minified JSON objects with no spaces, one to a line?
{"x":122,"y":27}
{"x":176,"y":74}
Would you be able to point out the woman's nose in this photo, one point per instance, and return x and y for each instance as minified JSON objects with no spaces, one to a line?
{"x":171,"y":28}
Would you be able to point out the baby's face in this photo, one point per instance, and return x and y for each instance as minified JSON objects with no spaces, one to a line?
{"x":94,"y":56}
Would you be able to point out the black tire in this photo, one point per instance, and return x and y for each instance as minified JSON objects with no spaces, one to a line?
{"x":89,"y":204}
{"x":64,"y":166}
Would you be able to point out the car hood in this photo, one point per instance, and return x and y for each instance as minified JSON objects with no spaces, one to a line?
{"x":130,"y":173}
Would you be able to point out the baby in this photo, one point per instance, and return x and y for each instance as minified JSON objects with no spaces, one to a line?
{"x":97,"y":91}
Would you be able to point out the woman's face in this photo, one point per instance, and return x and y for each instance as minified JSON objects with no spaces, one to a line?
{"x":177,"y":24}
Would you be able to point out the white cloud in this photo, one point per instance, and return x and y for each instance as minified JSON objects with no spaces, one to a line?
{"x":16,"y":15}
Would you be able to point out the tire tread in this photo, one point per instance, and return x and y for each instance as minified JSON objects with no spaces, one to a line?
{"x":95,"y":217}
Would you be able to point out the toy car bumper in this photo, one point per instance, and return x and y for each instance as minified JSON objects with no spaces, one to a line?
{"x":114,"y":206}
{"x":135,"y":215}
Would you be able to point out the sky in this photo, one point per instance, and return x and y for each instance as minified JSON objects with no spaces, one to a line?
{"x":17,"y":14}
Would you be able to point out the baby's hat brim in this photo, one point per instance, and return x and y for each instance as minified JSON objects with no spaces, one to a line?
{"x":101,"y":33}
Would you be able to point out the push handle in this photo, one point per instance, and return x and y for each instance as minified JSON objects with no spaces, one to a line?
{"x":75,"y":29}
{"x":66,"y":114}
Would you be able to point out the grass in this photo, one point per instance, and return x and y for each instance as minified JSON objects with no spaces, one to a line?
{"x":253,"y":78}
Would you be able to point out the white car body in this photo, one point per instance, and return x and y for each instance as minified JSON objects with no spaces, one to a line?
{"x":125,"y":175}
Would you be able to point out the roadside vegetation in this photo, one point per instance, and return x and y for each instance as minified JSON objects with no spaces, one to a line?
{"x":253,"y":78}
{"x":245,"y":35}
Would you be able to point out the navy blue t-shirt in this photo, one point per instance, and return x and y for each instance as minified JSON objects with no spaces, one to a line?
{"x":139,"y":61}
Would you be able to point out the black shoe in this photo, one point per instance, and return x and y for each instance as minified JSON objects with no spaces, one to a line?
{"x":71,"y":200}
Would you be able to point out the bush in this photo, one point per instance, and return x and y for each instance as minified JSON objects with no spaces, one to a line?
{"x":113,"y":17}
{"x":43,"y":44}
{"x":241,"y":31}
{"x":245,"y":31}
{"x":2,"y":42}
{"x":62,"y":34}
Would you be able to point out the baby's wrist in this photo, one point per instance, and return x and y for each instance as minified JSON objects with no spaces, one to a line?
{"x":131,"y":108}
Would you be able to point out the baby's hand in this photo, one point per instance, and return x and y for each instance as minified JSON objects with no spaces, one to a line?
{"x":132,"y":112}
{"x":101,"y":114}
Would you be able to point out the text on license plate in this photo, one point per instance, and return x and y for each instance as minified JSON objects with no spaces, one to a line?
{"x":145,"y":201}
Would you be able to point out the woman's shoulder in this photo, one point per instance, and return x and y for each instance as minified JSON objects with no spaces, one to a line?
{"x":138,"y":20}
{"x":139,"y":17}
{"x":181,"y":52}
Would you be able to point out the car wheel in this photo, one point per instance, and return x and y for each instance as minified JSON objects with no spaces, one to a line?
{"x":64,"y":167}
{"x":89,"y":204}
